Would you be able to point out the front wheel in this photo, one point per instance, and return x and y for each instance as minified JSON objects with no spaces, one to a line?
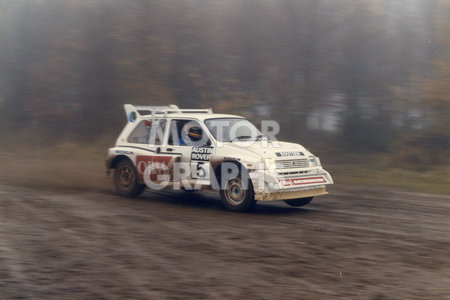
{"x":126,"y":181}
{"x":299,"y":202}
{"x":237,"y":193}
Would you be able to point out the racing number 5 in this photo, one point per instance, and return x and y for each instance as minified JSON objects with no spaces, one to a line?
{"x":201,"y":171}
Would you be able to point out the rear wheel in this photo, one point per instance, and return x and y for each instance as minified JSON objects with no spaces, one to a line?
{"x":299,"y":202}
{"x":126,"y":181}
{"x":237,"y":192}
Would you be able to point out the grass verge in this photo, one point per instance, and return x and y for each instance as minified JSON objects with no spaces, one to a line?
{"x":433,"y":181}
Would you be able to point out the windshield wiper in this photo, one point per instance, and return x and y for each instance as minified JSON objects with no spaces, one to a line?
{"x":241,"y":137}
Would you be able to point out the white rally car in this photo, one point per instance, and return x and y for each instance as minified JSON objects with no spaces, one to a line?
{"x":193,"y":149}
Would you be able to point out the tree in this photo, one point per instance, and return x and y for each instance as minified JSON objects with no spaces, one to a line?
{"x":427,"y":140}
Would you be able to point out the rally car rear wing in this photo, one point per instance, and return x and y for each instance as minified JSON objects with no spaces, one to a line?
{"x":132,"y":112}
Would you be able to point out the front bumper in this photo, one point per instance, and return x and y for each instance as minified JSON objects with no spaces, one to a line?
{"x":286,"y":195}
{"x":310,"y":182}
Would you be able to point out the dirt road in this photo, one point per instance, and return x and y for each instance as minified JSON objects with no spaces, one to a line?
{"x":353,"y":243}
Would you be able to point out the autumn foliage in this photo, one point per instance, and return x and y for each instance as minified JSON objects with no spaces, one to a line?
{"x":359,"y":76}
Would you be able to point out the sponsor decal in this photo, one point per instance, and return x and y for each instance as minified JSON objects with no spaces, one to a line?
{"x":201,"y":153}
{"x":124,"y":152}
{"x":200,"y":162}
{"x":301,"y":181}
{"x":290,"y":153}
{"x":154,"y":166}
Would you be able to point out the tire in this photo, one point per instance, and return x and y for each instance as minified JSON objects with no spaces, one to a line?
{"x":237,"y":192}
{"x":125,"y":180}
{"x":299,"y":202}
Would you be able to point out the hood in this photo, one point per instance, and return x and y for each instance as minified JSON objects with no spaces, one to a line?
{"x":264,"y":149}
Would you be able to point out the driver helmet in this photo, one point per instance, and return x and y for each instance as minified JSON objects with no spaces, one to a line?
{"x":194,"y":132}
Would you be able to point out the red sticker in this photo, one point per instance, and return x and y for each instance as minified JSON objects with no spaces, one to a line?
{"x":301,"y":181}
{"x":158,"y":165}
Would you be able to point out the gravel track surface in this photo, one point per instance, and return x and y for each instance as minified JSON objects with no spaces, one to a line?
{"x":352,"y":243}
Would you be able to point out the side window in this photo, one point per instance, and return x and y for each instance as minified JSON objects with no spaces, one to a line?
{"x":186,"y":133}
{"x":157,"y":132}
{"x":141,"y":133}
{"x":175,"y":132}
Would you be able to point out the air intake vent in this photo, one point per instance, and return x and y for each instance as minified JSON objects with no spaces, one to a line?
{"x":292,"y":163}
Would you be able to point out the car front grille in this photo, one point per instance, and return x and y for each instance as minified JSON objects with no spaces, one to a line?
{"x":292,"y":163}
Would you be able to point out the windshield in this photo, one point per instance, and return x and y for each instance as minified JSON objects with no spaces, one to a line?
{"x":232,"y":129}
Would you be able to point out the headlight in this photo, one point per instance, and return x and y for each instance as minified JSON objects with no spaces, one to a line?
{"x":314,"y":161}
{"x":269,"y":163}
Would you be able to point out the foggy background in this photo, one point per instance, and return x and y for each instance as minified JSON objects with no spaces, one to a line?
{"x":363,"y":84}
{"x":349,"y":77}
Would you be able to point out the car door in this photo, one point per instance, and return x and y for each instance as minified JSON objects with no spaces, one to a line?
{"x":189,"y":139}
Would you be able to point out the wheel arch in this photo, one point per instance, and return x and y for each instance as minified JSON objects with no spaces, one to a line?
{"x":217,"y":172}
{"x":113,"y":162}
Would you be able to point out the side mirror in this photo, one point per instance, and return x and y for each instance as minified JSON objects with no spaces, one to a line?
{"x":208,"y":143}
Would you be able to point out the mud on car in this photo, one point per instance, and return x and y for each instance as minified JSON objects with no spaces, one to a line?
{"x":165,"y":147}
